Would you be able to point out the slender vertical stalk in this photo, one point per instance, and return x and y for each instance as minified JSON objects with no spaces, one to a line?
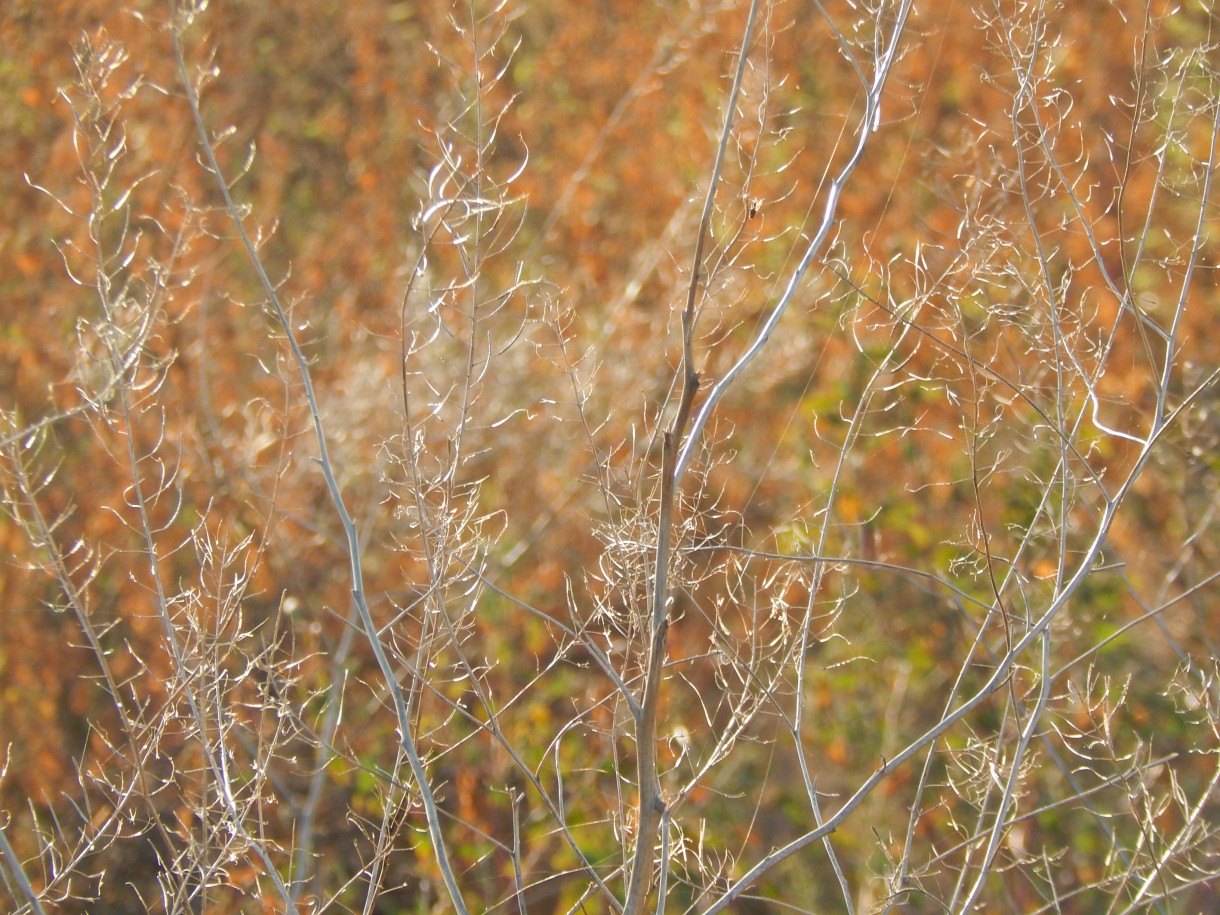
{"x":407,"y":741}
{"x":651,"y":803}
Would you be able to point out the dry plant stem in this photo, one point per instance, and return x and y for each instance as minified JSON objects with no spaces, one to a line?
{"x":1183,"y":835}
{"x":1080,"y":794}
{"x":1087,"y":561}
{"x":353,"y":542}
{"x":325,"y":753}
{"x":806,"y":629}
{"x":124,"y":352}
{"x":1153,"y":613}
{"x":1163,"y":387}
{"x":651,"y":804}
{"x":16,"y":875}
{"x":679,"y":444}
{"x":217,"y":759}
{"x":1030,"y":392}
{"x":1010,"y":787}
{"x":432,"y":544}
{"x":870,"y":118}
{"x":42,"y":534}
{"x":1028,"y":99}
{"x":868,"y":124}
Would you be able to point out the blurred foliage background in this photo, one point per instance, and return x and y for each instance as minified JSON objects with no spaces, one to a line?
{"x":593,"y":127}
